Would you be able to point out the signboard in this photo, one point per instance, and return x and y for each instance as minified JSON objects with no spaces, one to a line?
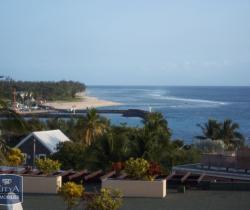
{"x":11,"y":189}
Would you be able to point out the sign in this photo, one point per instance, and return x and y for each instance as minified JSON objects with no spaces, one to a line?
{"x":11,"y":189}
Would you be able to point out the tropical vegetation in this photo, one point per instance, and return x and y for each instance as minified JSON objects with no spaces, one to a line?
{"x":11,"y":125}
{"x":14,"y":157}
{"x":96,"y":144}
{"x":72,"y":194}
{"x":94,"y":127}
{"x":47,"y":166}
{"x":227,"y":131}
{"x":137,"y":168}
{"x":107,"y":199}
{"x":25,"y":90}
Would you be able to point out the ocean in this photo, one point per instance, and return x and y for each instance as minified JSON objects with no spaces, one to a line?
{"x":183,"y":107}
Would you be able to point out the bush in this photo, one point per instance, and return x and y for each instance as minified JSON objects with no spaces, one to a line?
{"x":70,"y":155}
{"x":47,"y":165}
{"x":71,"y":194}
{"x":107,"y":200}
{"x":15,"y":157}
{"x":137,"y":168}
{"x":154,"y":169}
{"x":118,"y":167}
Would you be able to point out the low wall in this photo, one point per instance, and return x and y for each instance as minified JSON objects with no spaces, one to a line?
{"x":42,"y":184}
{"x":138,"y":188}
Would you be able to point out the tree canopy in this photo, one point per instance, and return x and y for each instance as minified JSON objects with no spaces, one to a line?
{"x":227,"y":131}
{"x":43,"y":90}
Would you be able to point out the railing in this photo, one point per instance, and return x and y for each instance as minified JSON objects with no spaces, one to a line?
{"x":238,"y":160}
{"x":219,"y":160}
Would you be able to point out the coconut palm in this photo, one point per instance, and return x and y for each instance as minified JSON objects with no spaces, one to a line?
{"x":157,"y":124}
{"x":229,"y":133}
{"x":94,"y":126}
{"x":155,"y":121}
{"x":210,"y":130}
{"x":111,"y":148}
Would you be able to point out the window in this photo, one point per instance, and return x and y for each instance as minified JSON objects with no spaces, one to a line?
{"x":42,"y":156}
{"x":25,"y":158}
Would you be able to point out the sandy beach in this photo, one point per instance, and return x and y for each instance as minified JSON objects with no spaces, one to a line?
{"x":83,"y":103}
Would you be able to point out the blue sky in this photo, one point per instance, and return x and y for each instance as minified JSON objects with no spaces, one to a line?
{"x":132,"y":42}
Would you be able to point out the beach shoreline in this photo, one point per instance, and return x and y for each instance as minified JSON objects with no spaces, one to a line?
{"x":84,"y":102}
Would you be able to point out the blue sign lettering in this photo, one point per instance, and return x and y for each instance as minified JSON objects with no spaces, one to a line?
{"x":11,"y":189}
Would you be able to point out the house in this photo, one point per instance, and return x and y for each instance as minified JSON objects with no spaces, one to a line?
{"x":40,"y":144}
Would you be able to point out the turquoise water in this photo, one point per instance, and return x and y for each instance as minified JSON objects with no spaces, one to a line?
{"x":183,"y":107}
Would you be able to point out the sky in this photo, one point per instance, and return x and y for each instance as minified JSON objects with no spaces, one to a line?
{"x":129,"y":42}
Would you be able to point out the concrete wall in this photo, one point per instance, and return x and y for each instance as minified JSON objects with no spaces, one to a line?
{"x":42,"y":184}
{"x":138,"y":188}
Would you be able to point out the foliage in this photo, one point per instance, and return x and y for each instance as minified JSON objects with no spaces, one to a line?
{"x":178,"y":143}
{"x":154,"y":169}
{"x":155,"y":122}
{"x":71,"y":193}
{"x":230,"y":134}
{"x":3,"y":160}
{"x":107,"y":200}
{"x":70,"y":155}
{"x":118,"y":167}
{"x":210,"y":130}
{"x":62,"y":90}
{"x":112,"y":147}
{"x":12,"y":124}
{"x":119,"y":143}
{"x":137,"y":168}
{"x":15,"y":157}
{"x":95,"y":126}
{"x":3,"y":146}
{"x":108,"y":144}
{"x":185,"y":156}
{"x":47,"y":165}
{"x":226,"y":131}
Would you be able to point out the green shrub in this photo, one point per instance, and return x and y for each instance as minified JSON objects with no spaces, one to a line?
{"x":71,"y":194}
{"x":47,"y":165}
{"x":137,"y":168}
{"x":107,"y":200}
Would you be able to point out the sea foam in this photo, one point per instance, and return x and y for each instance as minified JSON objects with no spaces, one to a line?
{"x":190,"y":100}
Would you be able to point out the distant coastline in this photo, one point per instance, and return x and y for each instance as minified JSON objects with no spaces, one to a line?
{"x":82,"y":102}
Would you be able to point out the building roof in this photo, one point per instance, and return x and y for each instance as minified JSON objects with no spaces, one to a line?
{"x":50,"y":139}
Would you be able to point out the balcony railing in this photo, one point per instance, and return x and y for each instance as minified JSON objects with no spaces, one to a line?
{"x":239,"y":159}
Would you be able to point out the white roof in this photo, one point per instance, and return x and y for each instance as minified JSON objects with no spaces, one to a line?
{"x":50,"y":139}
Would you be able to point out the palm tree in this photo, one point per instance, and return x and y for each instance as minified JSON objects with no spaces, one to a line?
{"x":111,"y":148}
{"x":155,"y":122}
{"x":94,"y":126}
{"x":229,"y":133}
{"x":210,"y":130}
